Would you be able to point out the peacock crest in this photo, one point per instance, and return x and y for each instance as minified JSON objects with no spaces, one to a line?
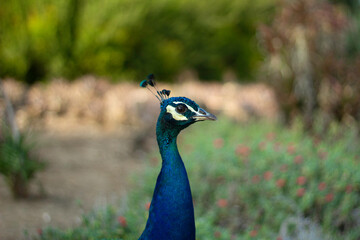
{"x":150,"y":81}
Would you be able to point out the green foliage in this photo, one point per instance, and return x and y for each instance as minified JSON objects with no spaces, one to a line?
{"x":251,"y":181}
{"x":98,"y":224}
{"x":353,"y":5}
{"x":129,"y":38}
{"x":353,"y":45}
{"x":269,"y":175}
{"x":17,"y":165}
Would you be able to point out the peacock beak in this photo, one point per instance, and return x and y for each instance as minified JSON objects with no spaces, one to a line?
{"x":202,"y":115}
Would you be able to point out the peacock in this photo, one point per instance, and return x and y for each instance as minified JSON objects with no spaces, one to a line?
{"x":171,"y":213}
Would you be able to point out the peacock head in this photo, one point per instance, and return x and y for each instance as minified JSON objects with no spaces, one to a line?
{"x":176,"y":112}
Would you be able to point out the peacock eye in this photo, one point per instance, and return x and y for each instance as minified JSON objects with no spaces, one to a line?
{"x":181,"y":108}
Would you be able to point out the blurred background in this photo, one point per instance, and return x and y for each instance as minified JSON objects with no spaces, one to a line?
{"x":78,"y":155}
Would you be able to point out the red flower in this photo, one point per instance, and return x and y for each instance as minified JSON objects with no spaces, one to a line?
{"x":270,"y":136}
{"x":301,"y":180}
{"x":217,"y":234}
{"x":322,"y":154}
{"x":39,"y":231}
{"x":316,"y":141}
{"x":298,"y":159}
{"x":329,"y":197}
{"x":300,"y":192}
{"x":218,"y":143}
{"x":291,"y":149}
{"x":277,"y":146}
{"x":122,"y":221}
{"x":147,"y":205}
{"x":255,"y":179}
{"x":262,"y":145}
{"x":268,"y":175}
{"x":242,"y":150}
{"x":284,"y":168}
{"x":349,"y":188}
{"x":280,"y":183}
{"x":222,"y":203}
{"x":321,"y":186}
{"x":279,"y":238}
{"x":253,"y":233}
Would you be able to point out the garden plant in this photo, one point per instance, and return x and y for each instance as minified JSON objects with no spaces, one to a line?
{"x":255,"y":181}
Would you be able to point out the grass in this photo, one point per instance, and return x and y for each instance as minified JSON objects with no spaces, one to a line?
{"x":249,"y":181}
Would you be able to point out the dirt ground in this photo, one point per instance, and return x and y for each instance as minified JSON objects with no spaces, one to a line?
{"x":84,"y":170}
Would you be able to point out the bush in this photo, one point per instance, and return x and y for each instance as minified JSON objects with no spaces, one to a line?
{"x":270,"y":176}
{"x":250,"y":181}
{"x":17,"y":165}
{"x":308,"y":61}
{"x":129,"y":38}
{"x":100,"y":224}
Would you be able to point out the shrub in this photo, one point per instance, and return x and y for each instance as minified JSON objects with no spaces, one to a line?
{"x":308,"y":61}
{"x":17,"y":165}
{"x":129,"y":38}
{"x":270,"y":178}
{"x":100,"y":224}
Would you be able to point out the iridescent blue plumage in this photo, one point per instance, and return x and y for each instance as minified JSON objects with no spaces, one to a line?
{"x":171,"y":215}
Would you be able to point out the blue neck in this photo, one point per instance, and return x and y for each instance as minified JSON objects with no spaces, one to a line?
{"x":171,"y":213}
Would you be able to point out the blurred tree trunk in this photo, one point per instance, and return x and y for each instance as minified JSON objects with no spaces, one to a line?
{"x":19,"y":187}
{"x":9,"y":114}
{"x":67,"y":32}
{"x":304,"y":85}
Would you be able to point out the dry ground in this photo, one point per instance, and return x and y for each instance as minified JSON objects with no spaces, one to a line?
{"x":85,"y":169}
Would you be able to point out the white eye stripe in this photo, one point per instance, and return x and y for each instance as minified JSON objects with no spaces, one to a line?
{"x":190,"y":108}
{"x":177,"y":116}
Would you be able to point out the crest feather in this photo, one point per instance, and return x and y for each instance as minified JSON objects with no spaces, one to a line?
{"x":160,"y":95}
{"x":151,"y":80}
{"x":143,"y":83}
